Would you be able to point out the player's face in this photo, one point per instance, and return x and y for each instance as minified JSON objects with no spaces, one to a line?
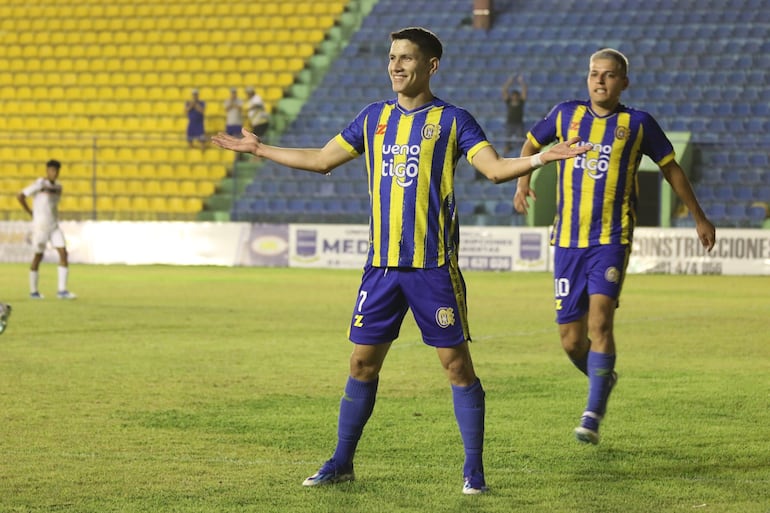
{"x":605,"y":83}
{"x":409,"y":69}
{"x":52,"y":173}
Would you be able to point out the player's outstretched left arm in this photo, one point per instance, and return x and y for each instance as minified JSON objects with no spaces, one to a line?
{"x":500,"y":169}
{"x":317,"y":160}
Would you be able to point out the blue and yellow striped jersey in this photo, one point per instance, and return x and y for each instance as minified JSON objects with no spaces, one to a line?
{"x":597,"y":192}
{"x":410,"y":162}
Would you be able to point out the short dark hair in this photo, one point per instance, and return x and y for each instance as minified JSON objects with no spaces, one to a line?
{"x":53,"y":163}
{"x":427,"y":41}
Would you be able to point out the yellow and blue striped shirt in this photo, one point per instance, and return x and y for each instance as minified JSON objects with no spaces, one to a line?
{"x":411,"y":158}
{"x":597,"y":192}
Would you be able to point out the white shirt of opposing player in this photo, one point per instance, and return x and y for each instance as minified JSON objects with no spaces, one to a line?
{"x":45,"y":202}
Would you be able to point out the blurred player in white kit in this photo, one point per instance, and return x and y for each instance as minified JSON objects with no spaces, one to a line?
{"x":46,"y":193}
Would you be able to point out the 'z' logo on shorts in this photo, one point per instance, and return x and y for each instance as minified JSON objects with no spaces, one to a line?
{"x":359,"y":321}
{"x":380,"y":129}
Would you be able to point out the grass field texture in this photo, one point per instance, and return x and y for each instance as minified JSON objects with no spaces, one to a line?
{"x":199,"y":389}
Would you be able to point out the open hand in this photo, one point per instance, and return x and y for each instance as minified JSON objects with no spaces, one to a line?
{"x":566,"y":150}
{"x":249,"y":143}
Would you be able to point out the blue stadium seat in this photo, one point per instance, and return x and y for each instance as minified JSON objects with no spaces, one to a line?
{"x":716,"y":211}
{"x":738,"y":213}
{"x":744,"y":193}
{"x":757,"y":215}
{"x":297,"y":205}
{"x":258,"y":206}
{"x":289,"y":188}
{"x":277,"y":205}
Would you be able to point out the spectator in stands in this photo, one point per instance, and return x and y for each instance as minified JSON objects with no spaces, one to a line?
{"x":411,"y":145}
{"x":514,"y":99}
{"x":195,"y":108}
{"x":46,"y":193}
{"x":593,"y":229}
{"x":258,"y":116}
{"x":233,"y":113}
{"x":5,"y":314}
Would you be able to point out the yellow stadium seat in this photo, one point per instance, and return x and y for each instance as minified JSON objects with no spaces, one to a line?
{"x":192,"y":205}
{"x":8,"y":202}
{"x":105,"y":204}
{"x":170,"y":187}
{"x":103,"y":186}
{"x":77,"y":187}
{"x":69,"y":203}
{"x":188,"y":188}
{"x":152,"y":187}
{"x":109,"y":170}
{"x":176,"y":205}
{"x":135,"y":187}
{"x":140,"y":204}
{"x":123,"y":203}
{"x":205,"y":188}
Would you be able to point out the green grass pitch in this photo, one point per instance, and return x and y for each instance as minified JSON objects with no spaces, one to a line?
{"x":200,"y":389}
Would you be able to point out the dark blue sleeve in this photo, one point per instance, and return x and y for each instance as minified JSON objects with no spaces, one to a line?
{"x":354,"y":134}
{"x":655,"y":143}
{"x":469,"y":132}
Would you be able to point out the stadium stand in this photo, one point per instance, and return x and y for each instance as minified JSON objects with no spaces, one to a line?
{"x":101,"y":86}
{"x":704,"y":71}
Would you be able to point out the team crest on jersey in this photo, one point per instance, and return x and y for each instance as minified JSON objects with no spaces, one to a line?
{"x":622,"y":132}
{"x":612,"y":274}
{"x":445,"y":316}
{"x":431,"y":131}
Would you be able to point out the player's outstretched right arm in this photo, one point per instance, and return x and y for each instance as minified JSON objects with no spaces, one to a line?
{"x":317,"y":160}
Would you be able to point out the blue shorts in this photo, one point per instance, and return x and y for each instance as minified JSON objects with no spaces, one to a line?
{"x":435,"y":296}
{"x":580,"y":272}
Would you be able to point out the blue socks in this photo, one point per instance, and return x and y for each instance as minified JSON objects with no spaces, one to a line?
{"x":600,"y":369}
{"x":356,"y":407}
{"x":469,"y":409}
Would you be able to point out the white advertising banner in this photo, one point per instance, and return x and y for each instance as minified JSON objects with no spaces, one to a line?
{"x":133,"y":243}
{"x":494,"y":248}
{"x":503,"y":248}
{"x":678,"y":251}
{"x":173,"y":243}
{"x":329,"y":246}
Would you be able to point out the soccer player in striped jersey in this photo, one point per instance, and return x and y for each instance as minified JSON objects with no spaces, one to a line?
{"x":596,"y":215}
{"x":411,"y":145}
{"x":46,"y":193}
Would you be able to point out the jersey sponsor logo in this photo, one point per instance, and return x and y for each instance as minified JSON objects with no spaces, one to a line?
{"x":445,"y":316}
{"x":403,"y":172}
{"x":595,"y":167}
